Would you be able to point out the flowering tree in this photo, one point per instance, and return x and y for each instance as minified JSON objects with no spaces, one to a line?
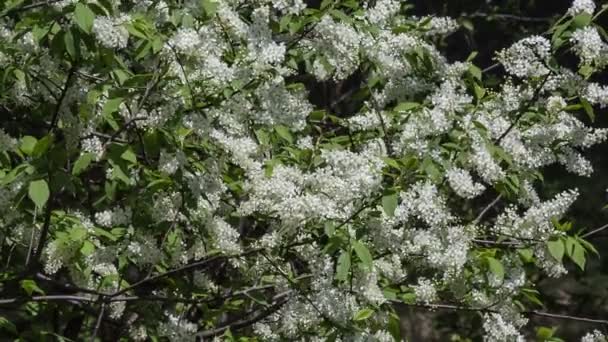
{"x":170,"y":169}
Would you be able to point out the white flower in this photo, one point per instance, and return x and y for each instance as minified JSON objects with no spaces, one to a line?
{"x":582,"y":6}
{"x":527,"y":57}
{"x":425,"y":291}
{"x":462,"y":183}
{"x":594,"y":336}
{"x":589,"y":46}
{"x":110,"y":32}
{"x":498,"y":330}
{"x":93,"y":145}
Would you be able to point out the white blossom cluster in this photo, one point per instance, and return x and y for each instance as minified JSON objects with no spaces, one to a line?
{"x":210,"y":163}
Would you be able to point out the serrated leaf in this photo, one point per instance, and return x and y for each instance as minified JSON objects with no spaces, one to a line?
{"x":496,"y":268}
{"x":82,"y":163}
{"x":343,"y":266}
{"x":364,"y":255}
{"x":389,"y":203}
{"x":84,"y":17}
{"x":39,"y":193}
{"x":363,"y":314}
{"x":556,"y":249}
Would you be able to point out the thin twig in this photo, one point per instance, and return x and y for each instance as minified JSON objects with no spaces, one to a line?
{"x":29,"y":7}
{"x":64,"y":92}
{"x":506,"y":16}
{"x":254,"y":316}
{"x":486,"y":209}
{"x":530,"y":312}
{"x":523,"y":109}
{"x":595,"y":231}
{"x":98,"y":323}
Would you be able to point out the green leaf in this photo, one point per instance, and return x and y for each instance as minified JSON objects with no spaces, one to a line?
{"x":70,"y":45}
{"x":87,"y":248}
{"x":496,"y":268}
{"x":343,"y":266}
{"x":570,"y":241}
{"x":111,"y":105}
{"x":556,"y":249}
{"x":581,"y":20}
{"x":479,"y":92}
{"x":129,"y":156}
{"x":7,"y":325}
{"x":39,"y":192}
{"x":28,"y":143}
{"x":406,"y":106}
{"x":389,"y":203}
{"x":82,"y":163}
{"x":545,"y":333}
{"x":30,"y":287}
{"x":588,"y":109}
{"x":394,"y":326}
{"x":475,"y":72}
{"x":527,"y":255}
{"x":210,"y":7}
{"x":84,"y":17}
{"x":42,"y":145}
{"x":578,"y":256}
{"x":364,"y":255}
{"x":284,"y":133}
{"x":588,"y":246}
{"x":363,"y":314}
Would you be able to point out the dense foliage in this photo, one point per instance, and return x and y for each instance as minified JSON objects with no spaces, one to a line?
{"x":171,"y":169}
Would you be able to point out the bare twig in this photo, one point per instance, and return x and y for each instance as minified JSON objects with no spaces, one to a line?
{"x":98,"y":323}
{"x":506,"y":16}
{"x":29,"y":7}
{"x":486,"y":209}
{"x":523,"y":109}
{"x":253,"y":317}
{"x":530,"y":312}
{"x":595,"y":231}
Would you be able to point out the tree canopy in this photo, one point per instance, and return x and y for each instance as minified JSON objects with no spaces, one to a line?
{"x":261,"y":170}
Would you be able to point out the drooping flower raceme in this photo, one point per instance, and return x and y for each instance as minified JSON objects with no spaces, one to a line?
{"x":280,"y":171}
